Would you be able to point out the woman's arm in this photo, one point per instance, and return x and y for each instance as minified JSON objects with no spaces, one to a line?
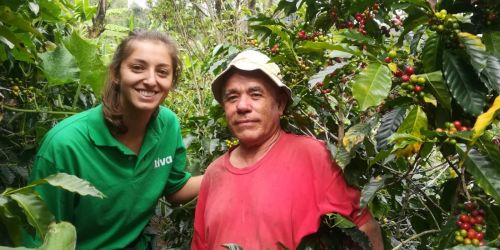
{"x":187,"y":192}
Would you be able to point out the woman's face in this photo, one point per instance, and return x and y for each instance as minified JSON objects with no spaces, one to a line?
{"x":145,"y":76}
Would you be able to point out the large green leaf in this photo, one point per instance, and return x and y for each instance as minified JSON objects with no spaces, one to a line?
{"x":36,"y":211}
{"x":432,"y":54}
{"x":60,"y":236}
{"x":12,"y":18}
{"x":475,"y":49}
{"x":71,"y":183}
{"x":10,"y":220}
{"x":390,"y":123}
{"x":414,"y":122}
{"x":10,"y":39}
{"x":486,"y":172}
{"x":54,"y":71}
{"x":320,"y":47}
{"x":491,"y":40}
{"x":463,"y":83}
{"x":438,"y":88}
{"x":372,"y":85}
{"x":320,"y":76}
{"x":492,"y":71}
{"x":92,"y":69}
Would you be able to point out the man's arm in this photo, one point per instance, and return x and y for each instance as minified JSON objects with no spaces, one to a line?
{"x":187,"y":192}
{"x":372,"y":230}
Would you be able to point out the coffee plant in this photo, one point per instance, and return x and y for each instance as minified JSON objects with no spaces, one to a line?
{"x":405,"y":93}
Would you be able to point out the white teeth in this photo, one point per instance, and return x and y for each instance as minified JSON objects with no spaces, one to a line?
{"x":147,"y":93}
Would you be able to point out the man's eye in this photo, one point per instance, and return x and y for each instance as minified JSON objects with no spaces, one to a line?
{"x":230,"y":98}
{"x":256,"y":95}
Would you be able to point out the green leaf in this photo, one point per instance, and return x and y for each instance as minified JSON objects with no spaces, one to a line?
{"x":372,"y":85}
{"x":432,"y":54}
{"x":61,"y":236}
{"x":464,"y":85}
{"x":285,"y":37}
{"x":415,"y":19}
{"x":414,"y":122}
{"x":492,"y":71}
{"x":51,"y":66}
{"x":8,"y":38}
{"x":92,"y":69}
{"x":36,"y":211}
{"x":355,"y":135}
{"x":356,"y":36}
{"x":320,"y":76}
{"x":390,"y":123}
{"x":340,"y":154}
{"x":491,"y":40}
{"x":475,"y":49}
{"x":14,"y":19}
{"x":10,"y":220}
{"x":370,"y":190}
{"x":471,"y":247}
{"x":71,"y":183}
{"x":320,"y":47}
{"x":438,"y":88}
{"x":486,"y":172}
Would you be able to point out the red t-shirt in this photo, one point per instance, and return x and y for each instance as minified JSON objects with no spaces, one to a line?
{"x":278,"y":199}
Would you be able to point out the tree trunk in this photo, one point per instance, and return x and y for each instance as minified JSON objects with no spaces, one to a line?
{"x":218,"y":7}
{"x":251,"y":6}
{"x":98,"y":21}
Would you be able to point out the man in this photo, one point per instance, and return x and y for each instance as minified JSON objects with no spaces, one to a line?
{"x":273,"y":187}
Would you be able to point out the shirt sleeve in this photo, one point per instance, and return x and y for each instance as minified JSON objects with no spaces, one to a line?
{"x":338,"y":196}
{"x":178,"y":176}
{"x":199,"y":241}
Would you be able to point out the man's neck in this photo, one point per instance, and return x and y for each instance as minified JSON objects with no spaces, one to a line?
{"x":247,"y":155}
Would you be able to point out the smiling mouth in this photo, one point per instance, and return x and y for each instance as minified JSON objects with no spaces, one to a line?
{"x":146,"y":93}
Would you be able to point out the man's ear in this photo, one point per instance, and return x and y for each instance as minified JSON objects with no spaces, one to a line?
{"x":283,"y":97}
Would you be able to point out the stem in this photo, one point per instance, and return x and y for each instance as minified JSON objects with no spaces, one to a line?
{"x":11,"y":191}
{"x":415,"y":237}
{"x":37,"y":111}
{"x":77,"y":93}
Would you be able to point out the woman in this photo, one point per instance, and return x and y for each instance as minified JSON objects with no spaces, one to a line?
{"x":129,"y":147}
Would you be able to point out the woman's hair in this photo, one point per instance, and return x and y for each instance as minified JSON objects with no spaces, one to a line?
{"x":112,"y":109}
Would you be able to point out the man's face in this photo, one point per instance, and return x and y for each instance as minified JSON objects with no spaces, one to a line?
{"x":251,"y":109}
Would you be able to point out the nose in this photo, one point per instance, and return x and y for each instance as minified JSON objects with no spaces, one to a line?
{"x":244,"y":104}
{"x":150,"y":77}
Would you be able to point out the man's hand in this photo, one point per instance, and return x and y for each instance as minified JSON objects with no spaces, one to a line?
{"x":372,"y":230}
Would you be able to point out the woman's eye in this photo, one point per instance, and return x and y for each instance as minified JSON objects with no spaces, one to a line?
{"x":163,"y":73}
{"x":136,"y":67}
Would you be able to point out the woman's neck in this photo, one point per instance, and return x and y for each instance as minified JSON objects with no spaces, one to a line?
{"x":136,"y":124}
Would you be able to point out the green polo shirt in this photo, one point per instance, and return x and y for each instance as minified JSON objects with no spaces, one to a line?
{"x":82,"y":145}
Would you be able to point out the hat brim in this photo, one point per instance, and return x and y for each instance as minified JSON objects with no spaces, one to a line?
{"x":218,"y":82}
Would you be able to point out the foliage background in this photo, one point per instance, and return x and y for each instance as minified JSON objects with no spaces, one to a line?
{"x":333,"y":54}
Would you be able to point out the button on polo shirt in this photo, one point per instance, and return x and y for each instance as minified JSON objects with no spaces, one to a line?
{"x":82,"y":145}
